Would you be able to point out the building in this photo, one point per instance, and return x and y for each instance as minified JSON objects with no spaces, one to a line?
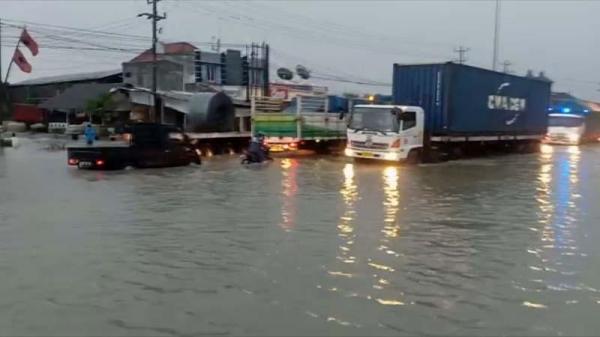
{"x":80,"y":102}
{"x":36,"y":91}
{"x":182,"y":66}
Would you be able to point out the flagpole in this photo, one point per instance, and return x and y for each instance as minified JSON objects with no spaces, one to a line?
{"x":12,"y":60}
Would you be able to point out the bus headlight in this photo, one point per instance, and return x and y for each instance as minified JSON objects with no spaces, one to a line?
{"x":348,"y":152}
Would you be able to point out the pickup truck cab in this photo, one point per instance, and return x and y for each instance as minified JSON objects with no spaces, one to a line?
{"x":144,"y":145}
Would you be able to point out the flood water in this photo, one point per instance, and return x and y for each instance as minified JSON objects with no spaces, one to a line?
{"x":304,"y":246}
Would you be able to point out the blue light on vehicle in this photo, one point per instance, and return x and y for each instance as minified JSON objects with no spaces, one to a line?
{"x":550,"y":109}
{"x":586,"y":110}
{"x":566,"y":110}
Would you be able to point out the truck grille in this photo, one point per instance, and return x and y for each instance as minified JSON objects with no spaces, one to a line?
{"x":559,"y":137}
{"x":363,"y":145}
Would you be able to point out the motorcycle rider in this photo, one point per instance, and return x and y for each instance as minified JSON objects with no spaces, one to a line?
{"x":257,"y":150}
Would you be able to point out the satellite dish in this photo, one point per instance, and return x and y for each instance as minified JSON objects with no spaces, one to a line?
{"x":285,"y":74}
{"x":303,"y":72}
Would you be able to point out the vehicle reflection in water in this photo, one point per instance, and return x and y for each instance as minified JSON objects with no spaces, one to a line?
{"x":289,"y":171}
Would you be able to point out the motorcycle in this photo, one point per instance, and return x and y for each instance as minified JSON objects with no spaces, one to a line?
{"x":250,"y":158}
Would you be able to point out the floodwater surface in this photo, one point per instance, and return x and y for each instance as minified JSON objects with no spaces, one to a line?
{"x":302,"y":246}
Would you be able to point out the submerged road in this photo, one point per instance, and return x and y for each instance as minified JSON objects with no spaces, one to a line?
{"x":305,"y":246}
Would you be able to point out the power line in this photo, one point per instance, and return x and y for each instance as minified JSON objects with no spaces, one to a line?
{"x":325,"y":26}
{"x":75,"y":29}
{"x":67,"y":36}
{"x":305,"y":32}
{"x":341,"y":80}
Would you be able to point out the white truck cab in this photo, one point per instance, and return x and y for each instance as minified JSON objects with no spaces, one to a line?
{"x":565,"y":129}
{"x":385,"y":132}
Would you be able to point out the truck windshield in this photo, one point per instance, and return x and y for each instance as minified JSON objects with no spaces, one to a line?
{"x":568,"y":122}
{"x":376,"y":119}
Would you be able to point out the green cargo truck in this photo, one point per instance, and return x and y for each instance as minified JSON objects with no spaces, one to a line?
{"x":303,"y":122}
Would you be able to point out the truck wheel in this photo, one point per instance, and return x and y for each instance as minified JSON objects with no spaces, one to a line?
{"x":414,"y":157}
{"x":141,"y":164}
{"x":432,"y":156}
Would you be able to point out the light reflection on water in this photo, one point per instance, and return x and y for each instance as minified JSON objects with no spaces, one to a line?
{"x":349,"y":193}
{"x":558,"y":202}
{"x":391,"y":203}
{"x":289,"y":185}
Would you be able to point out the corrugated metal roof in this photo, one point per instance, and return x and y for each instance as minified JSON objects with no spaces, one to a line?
{"x":77,"y":96}
{"x":69,"y":77}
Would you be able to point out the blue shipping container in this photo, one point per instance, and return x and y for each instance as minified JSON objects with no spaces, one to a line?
{"x":465,"y":100}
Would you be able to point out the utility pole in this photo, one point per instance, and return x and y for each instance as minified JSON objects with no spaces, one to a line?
{"x":496,"y":37}
{"x":2,"y":93}
{"x":155,"y":18}
{"x":265,"y":69}
{"x":506,"y":66}
{"x":462,"y":51}
{"x":1,"y":54}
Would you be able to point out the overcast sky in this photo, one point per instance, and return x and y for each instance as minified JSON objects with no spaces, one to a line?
{"x":354,"y":40}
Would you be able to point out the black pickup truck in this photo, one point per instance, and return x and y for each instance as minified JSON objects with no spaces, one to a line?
{"x":145,"y":145}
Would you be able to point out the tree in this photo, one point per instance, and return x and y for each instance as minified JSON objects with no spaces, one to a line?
{"x":4,"y":102}
{"x":101,"y":106}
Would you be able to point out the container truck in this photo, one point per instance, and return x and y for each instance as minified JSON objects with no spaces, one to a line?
{"x":446,"y":111}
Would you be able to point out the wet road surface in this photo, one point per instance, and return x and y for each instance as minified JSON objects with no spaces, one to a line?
{"x":304,"y":246}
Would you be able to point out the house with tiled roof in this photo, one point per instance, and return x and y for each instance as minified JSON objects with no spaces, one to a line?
{"x":181,"y":66}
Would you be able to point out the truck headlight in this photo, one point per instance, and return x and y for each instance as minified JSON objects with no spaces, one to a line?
{"x":391,"y":156}
{"x":574,"y":138}
{"x":348,"y":152}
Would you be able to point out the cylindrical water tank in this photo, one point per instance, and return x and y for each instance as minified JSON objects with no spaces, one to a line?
{"x":210,"y":112}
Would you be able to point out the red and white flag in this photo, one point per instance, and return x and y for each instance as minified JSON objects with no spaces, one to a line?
{"x":20,"y":60}
{"x":29,"y":42}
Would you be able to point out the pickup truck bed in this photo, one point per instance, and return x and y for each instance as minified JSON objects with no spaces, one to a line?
{"x":118,"y":157}
{"x":102,"y":156}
